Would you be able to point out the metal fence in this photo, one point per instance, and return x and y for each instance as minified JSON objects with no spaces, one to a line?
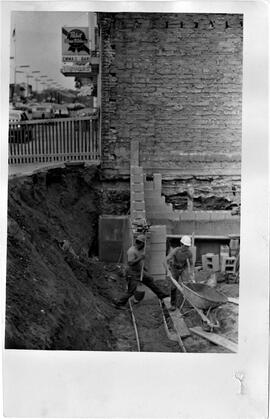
{"x":54,"y":140}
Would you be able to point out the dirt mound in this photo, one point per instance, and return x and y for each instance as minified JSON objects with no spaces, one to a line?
{"x":57,"y":297}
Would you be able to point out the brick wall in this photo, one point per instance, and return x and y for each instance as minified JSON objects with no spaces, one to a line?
{"x":173,"y":82}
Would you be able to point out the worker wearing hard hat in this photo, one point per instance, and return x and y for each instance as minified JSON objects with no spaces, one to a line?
{"x":136,"y":272}
{"x":179,"y":260}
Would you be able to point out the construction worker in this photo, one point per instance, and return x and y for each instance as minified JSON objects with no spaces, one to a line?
{"x":136,"y":272}
{"x":179,"y":261}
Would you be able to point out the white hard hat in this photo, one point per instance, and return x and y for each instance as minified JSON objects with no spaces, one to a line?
{"x":186,"y":240}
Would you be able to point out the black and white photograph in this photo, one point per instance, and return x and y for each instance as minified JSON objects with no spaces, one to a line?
{"x":124,"y":153}
{"x":130,"y":241}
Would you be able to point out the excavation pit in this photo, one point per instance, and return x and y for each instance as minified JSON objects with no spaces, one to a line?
{"x":59,"y":294}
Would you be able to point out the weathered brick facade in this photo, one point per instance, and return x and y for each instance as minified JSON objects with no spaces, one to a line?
{"x":173,"y":81}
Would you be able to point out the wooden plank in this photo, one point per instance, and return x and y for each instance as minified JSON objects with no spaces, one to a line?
{"x":215,"y":338}
{"x":171,"y":335}
{"x":233,"y":300}
{"x":198,"y":237}
{"x":178,"y":321}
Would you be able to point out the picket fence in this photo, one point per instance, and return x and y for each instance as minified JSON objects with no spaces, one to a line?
{"x":54,"y":140}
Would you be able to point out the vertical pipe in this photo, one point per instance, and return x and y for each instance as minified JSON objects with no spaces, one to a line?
{"x":46,"y":142}
{"x":62,"y":140}
{"x":70,"y":132}
{"x":66,"y":139}
{"x":90,"y":139}
{"x":34,"y":142}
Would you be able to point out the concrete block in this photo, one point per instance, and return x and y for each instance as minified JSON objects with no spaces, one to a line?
{"x":158,"y":221}
{"x":136,"y":170}
{"x":158,"y":237}
{"x":228,"y":264}
{"x":154,"y":200}
{"x":164,"y":216}
{"x":148,"y":186}
{"x":211,"y":261}
{"x":202,"y":215}
{"x":157,"y":251}
{"x":138,"y":206}
{"x":224,"y":251}
{"x":138,"y":214}
{"x":169,"y":206}
{"x":158,"y":247}
{"x":158,"y":231}
{"x":137,"y":196}
{"x":218,"y":215}
{"x":137,"y":187}
{"x":187,"y":216}
{"x":157,"y":181}
{"x":156,"y":270}
{"x":153,"y":194}
{"x":137,"y":178}
{"x":234,"y":244}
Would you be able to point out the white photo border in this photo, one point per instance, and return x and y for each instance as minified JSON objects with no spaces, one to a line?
{"x":144,"y":385}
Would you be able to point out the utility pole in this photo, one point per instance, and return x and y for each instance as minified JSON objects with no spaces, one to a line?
{"x":14,"y":40}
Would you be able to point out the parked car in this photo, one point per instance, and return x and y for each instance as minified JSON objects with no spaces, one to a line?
{"x":18,"y":131}
{"x":26,"y":108}
{"x":87,"y":112}
{"x":42,"y":112}
{"x":75,"y":106}
{"x":61,"y":113}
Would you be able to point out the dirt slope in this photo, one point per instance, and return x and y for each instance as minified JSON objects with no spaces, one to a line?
{"x":53,"y":299}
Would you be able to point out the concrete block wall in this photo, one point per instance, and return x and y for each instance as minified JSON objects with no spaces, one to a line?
{"x":155,"y":204}
{"x":208,"y":223}
{"x":173,"y":81}
{"x":156,"y":254}
{"x":137,"y":205}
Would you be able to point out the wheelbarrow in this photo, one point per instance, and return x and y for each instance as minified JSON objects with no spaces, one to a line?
{"x":203,"y":299}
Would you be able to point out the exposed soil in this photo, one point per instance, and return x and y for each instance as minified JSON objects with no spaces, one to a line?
{"x":59,"y":296}
{"x":55,"y":300}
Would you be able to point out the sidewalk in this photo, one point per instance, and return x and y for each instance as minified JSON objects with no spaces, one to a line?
{"x":16,"y":170}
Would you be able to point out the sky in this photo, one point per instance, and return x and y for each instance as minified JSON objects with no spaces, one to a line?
{"x":39,"y":43}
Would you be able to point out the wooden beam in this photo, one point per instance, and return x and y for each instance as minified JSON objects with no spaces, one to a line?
{"x":199,"y":237}
{"x":178,"y":321}
{"x":233,"y":300}
{"x":215,"y":338}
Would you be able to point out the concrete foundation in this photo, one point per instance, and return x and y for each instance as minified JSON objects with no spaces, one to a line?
{"x":115,"y":237}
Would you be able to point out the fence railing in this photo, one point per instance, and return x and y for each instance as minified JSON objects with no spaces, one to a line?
{"x":54,"y":140}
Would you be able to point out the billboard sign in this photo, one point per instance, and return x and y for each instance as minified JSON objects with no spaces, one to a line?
{"x":75,"y":44}
{"x":76,"y":68}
